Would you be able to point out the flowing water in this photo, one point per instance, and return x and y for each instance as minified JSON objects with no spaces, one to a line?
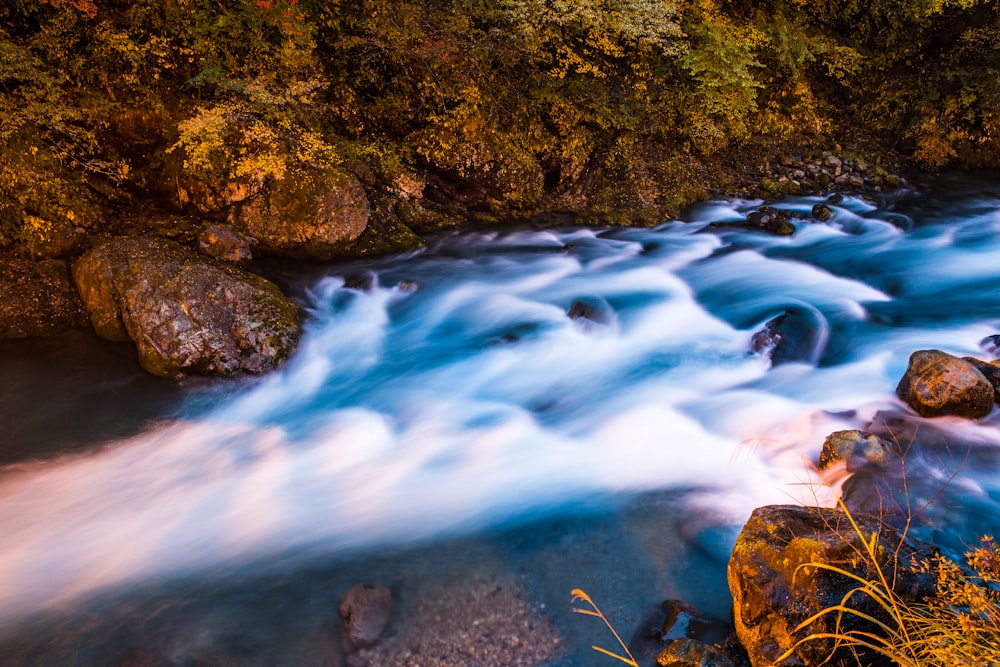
{"x":445,"y":416}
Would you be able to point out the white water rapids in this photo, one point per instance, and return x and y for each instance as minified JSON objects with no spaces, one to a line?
{"x":468,"y":396}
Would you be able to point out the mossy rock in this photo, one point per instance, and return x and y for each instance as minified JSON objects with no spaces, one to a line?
{"x":776,"y":585}
{"x":310,"y":214}
{"x":186,"y":313}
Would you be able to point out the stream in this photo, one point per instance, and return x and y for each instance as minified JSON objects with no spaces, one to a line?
{"x":521,"y":410}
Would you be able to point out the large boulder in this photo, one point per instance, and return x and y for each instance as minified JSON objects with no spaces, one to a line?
{"x":186,"y":313}
{"x":775,"y":587}
{"x":37,"y":298}
{"x":937,"y":383}
{"x":309,"y":214}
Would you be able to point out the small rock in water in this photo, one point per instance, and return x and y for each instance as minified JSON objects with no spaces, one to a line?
{"x":822,"y":212}
{"x":773,"y":221}
{"x":409,"y":286}
{"x":991,"y":345}
{"x":857,"y":449}
{"x":365,"y":611}
{"x":362,"y":282}
{"x":937,"y":384}
{"x":589,"y":312}
{"x":676,"y":620}
{"x":792,"y":336}
{"x":693,"y":653}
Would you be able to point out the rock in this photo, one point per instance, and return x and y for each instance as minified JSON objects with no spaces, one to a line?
{"x":225,"y":243}
{"x":857,"y":449}
{"x":991,"y":345}
{"x":364,"y":611}
{"x":990,"y":371}
{"x":937,"y":384}
{"x":591,"y":311}
{"x":675,"y":620}
{"x":693,"y":653}
{"x":50,"y":237}
{"x":822,"y":212}
{"x":310,"y":215}
{"x":774,"y":221}
{"x":772,"y":594}
{"x":794,"y":336}
{"x":38,"y":298}
{"x":210,"y":197}
{"x":185,"y":313}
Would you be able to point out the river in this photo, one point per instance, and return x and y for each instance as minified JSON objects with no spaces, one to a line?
{"x":445,"y":422}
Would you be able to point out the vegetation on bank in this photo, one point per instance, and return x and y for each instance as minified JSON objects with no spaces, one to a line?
{"x":500,"y":107}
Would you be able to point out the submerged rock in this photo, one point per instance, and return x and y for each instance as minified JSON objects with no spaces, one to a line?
{"x":38,"y":298}
{"x":675,"y":633}
{"x":185,"y":313}
{"x":775,"y":588}
{"x":365,"y":611}
{"x":309,"y":214}
{"x":937,"y":383}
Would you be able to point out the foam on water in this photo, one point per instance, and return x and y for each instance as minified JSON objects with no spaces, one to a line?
{"x":410,"y":413}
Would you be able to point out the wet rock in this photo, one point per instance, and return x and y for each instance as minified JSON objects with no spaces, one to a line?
{"x":857,"y":449}
{"x":185,"y":313}
{"x":990,"y":371}
{"x":225,"y":243}
{"x":822,"y":212}
{"x":365,"y":611}
{"x":773,"y":221}
{"x":772,"y":594}
{"x":676,"y":620}
{"x":363,"y":282}
{"x":591,"y":311}
{"x":311,"y":215}
{"x":793,"y":336}
{"x":693,"y":653}
{"x":937,"y":384}
{"x":835,"y":199}
{"x":991,"y":345}
{"x":38,"y":298}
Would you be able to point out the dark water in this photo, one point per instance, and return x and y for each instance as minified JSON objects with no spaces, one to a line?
{"x":452,"y":422}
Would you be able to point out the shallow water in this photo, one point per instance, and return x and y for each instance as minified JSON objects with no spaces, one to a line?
{"x":453,"y":407}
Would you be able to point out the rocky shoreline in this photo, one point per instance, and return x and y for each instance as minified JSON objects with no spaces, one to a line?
{"x":189,"y":258}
